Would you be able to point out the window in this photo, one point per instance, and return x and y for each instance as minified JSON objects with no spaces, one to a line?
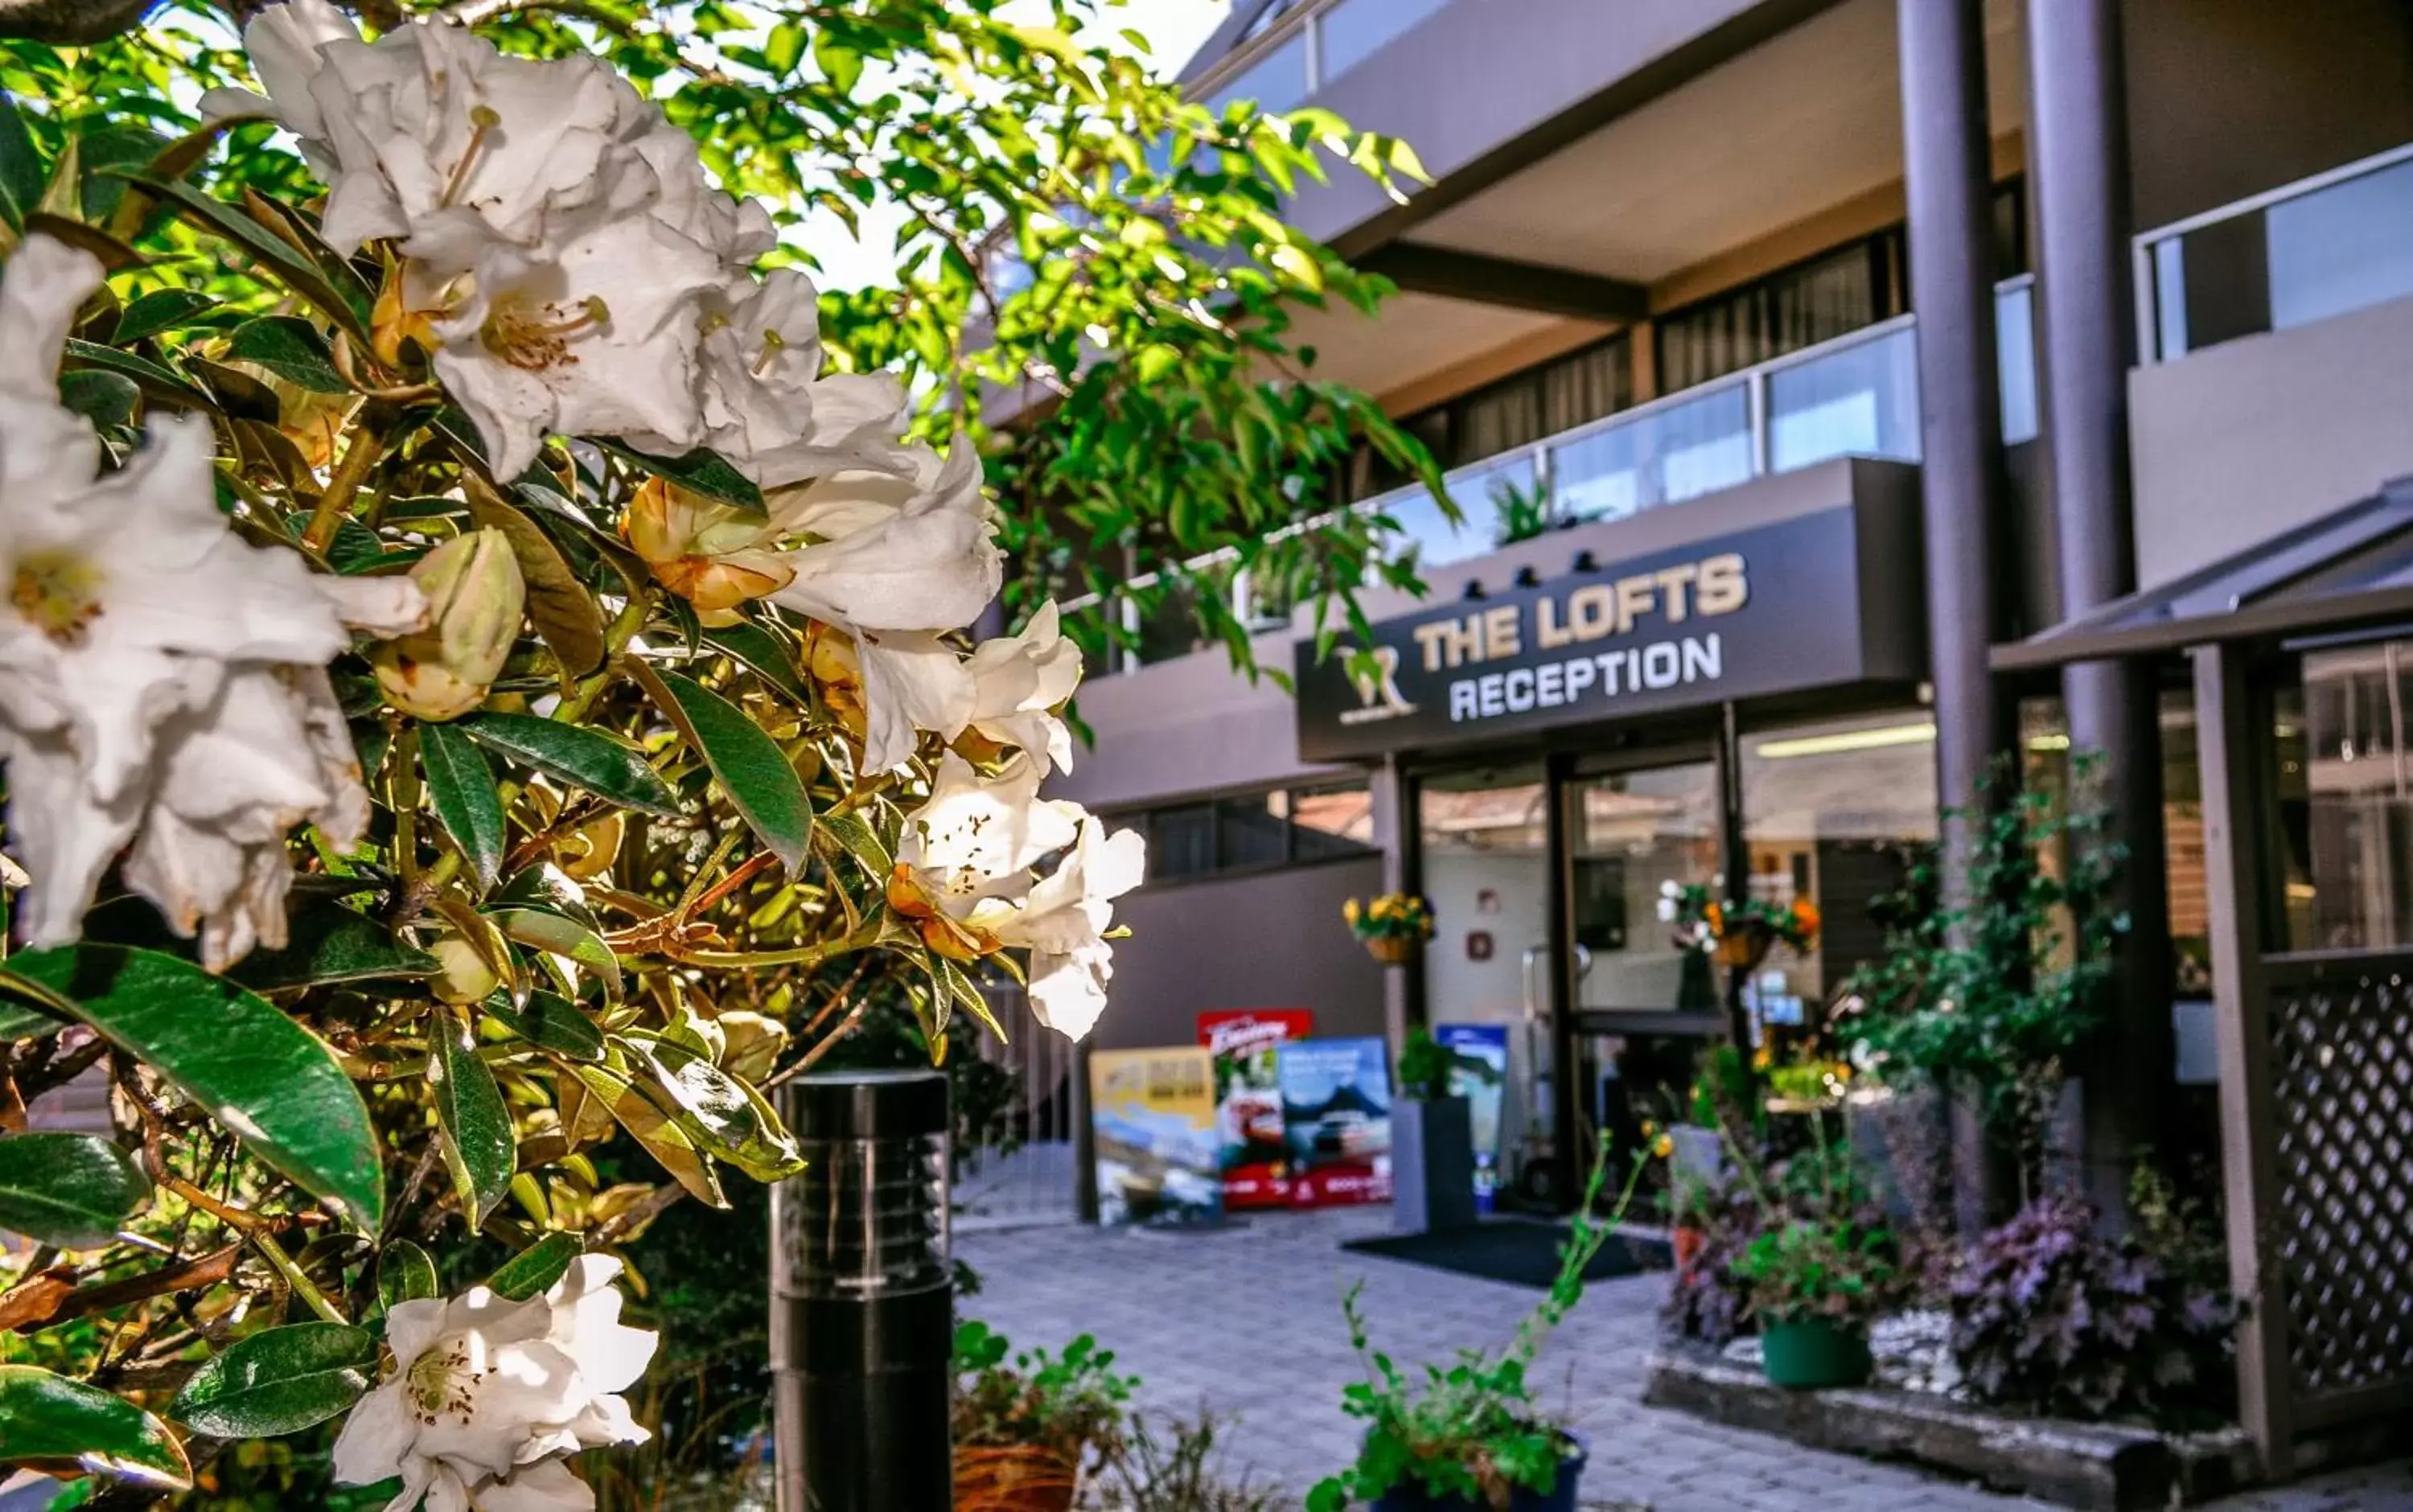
{"x":1584,"y":385}
{"x":2346,"y":798}
{"x":1255,"y":832}
{"x":1830,"y":295}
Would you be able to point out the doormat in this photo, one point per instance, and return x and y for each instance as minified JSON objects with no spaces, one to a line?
{"x":1521,"y":1251}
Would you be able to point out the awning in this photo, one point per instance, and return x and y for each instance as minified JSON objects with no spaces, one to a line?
{"x":2346,"y":571}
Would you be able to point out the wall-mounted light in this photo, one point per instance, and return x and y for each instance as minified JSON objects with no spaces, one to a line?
{"x":1473,"y":590}
{"x":1585,"y":562}
{"x":1528,"y":578}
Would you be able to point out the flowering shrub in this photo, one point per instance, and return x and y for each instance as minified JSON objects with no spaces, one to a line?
{"x":1705,"y":920}
{"x":472,"y":674}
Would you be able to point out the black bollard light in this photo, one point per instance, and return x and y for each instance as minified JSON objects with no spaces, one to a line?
{"x":863,"y":1297}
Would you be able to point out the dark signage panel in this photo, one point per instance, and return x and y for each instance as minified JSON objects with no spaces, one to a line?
{"x":1775,"y":609}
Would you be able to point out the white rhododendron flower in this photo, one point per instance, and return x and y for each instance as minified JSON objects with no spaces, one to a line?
{"x":1063,"y":922}
{"x":976,"y":838}
{"x":766,"y":405}
{"x":1020,"y":681}
{"x":896,"y":562}
{"x":141,"y":643}
{"x":488,"y":1395}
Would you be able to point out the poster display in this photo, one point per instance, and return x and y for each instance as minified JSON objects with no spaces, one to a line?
{"x":1248,"y":1100}
{"x":1478,"y":1072}
{"x":1153,"y":1112}
{"x":1335,"y":1099}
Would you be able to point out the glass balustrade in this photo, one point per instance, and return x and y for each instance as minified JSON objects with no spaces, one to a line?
{"x":1352,"y":31}
{"x":2334,"y":244}
{"x":1673,"y":450}
{"x":1862,"y":401}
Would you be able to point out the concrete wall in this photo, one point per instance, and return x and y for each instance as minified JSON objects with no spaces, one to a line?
{"x":2237,"y":443}
{"x":1270,"y":940}
{"x":2229,"y":97}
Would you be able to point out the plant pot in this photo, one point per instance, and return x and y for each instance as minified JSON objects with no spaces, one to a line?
{"x":1810,"y":1354}
{"x":1393,"y":950}
{"x":1744,"y":949}
{"x":1559,"y":1498}
{"x":1687,"y":1241}
{"x":1432,"y":1164}
{"x":1019,"y":1478}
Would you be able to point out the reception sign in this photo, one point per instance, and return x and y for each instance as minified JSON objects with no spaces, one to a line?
{"x":1246,"y":1043}
{"x":1818,"y":601}
{"x":1478,"y":1072}
{"x":1337,"y":1120}
{"x":1153,"y":1112}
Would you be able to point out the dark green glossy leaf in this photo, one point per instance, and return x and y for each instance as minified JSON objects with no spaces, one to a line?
{"x":563,"y":937}
{"x":98,"y":152}
{"x":761,"y":653}
{"x":534,"y":1269}
{"x":259,"y":1074}
{"x":701,"y":472}
{"x":156,"y":382}
{"x":750,"y":767}
{"x":480,"y":1146}
{"x":278,"y":1381}
{"x":48,"y":1419}
{"x":461,"y":787}
{"x":551,"y":1022}
{"x":290,"y":348}
{"x":357,"y":549}
{"x":162,"y":309}
{"x":266,"y":250}
{"x":724,"y":1115}
{"x":852,"y":835}
{"x":71,"y":1189}
{"x":582,"y":758}
{"x":406,"y":1274}
{"x":329,"y":943}
{"x":105,"y":399}
{"x":23,"y":172}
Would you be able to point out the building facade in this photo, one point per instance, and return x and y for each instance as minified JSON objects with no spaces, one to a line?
{"x":1794,"y":363}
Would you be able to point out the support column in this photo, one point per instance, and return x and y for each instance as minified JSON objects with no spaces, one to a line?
{"x":2077,"y":158}
{"x":1400,"y":842}
{"x":1963,"y":489}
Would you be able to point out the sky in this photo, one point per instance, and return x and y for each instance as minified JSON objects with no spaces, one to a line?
{"x":1173,"y":28}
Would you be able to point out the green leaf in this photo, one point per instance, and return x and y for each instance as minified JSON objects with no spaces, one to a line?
{"x":156,"y":382}
{"x":278,"y":1381}
{"x":162,"y":309}
{"x":71,"y":1189}
{"x":480,"y":1146}
{"x":261,"y":1075}
{"x":841,"y":65}
{"x":750,"y":766}
{"x":852,"y":835}
{"x":564,"y":937}
{"x":49,"y":1420}
{"x":329,"y":943}
{"x":302,"y":274}
{"x":576,"y":755}
{"x":461,"y":786}
{"x":702,"y":472}
{"x":551,"y":1022}
{"x":726,"y":1117}
{"x":537,"y":1268}
{"x":290,"y":348}
{"x":761,"y":653}
{"x":405,"y":1274}
{"x":784,"y":49}
{"x":105,"y":399}
{"x":665,"y":1138}
{"x":23,"y":172}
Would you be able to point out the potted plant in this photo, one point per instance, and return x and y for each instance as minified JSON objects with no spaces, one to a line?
{"x":1817,"y":1284}
{"x":1688,"y":1205}
{"x":1025,"y":1431}
{"x":1392,"y":928}
{"x":1469,"y":1436}
{"x":1432,"y":1142}
{"x":1738,"y":931}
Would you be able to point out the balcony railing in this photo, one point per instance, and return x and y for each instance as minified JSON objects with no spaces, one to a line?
{"x":1310,"y":45}
{"x":1857,"y":396}
{"x":2335,"y":243}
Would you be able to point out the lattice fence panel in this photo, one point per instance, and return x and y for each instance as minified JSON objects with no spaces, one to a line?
{"x":2342,"y":1072}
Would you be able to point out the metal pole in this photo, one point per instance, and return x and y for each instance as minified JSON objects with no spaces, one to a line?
{"x":1962,"y":487}
{"x":2078,"y":157}
{"x":863,"y":1297}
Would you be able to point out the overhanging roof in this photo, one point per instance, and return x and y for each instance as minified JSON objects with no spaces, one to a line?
{"x":2348,"y":571}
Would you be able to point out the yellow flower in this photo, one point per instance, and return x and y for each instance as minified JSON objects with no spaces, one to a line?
{"x":1664,"y":1146}
{"x":1350,"y":910}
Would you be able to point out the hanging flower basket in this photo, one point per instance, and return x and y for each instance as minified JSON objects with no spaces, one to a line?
{"x":1394,"y":950}
{"x":1023,"y":1478}
{"x":1392,"y":928}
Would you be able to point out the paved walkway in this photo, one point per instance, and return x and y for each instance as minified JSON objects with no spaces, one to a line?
{"x":1247,"y":1323}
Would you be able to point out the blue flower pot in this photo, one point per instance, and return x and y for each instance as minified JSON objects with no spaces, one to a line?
{"x":1559,"y":1498}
